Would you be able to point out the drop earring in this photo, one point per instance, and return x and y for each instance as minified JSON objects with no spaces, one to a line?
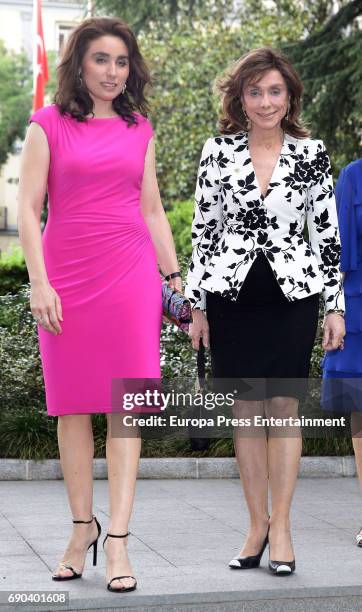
{"x":286,"y":116}
{"x":124,"y":88}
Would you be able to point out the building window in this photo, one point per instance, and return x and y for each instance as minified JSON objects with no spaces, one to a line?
{"x":3,"y":218}
{"x":63,"y":31}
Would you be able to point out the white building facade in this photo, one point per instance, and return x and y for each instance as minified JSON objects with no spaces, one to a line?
{"x":16,"y":30}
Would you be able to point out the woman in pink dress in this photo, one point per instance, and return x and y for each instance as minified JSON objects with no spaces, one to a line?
{"x":95,"y":284}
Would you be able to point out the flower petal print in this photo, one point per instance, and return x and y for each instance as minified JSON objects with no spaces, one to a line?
{"x":233,"y":222}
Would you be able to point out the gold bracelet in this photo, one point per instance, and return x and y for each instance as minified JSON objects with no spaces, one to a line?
{"x":339,"y":312}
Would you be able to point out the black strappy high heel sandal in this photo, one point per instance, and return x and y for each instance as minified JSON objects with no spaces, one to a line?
{"x":125,"y":589}
{"x":95,"y":546}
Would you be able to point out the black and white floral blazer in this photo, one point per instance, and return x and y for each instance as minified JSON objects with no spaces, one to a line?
{"x":233,"y":222}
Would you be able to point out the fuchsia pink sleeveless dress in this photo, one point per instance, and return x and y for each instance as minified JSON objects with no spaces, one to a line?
{"x":101,"y":261}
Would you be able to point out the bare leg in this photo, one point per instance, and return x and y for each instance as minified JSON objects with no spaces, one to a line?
{"x":122,"y":459}
{"x":284,"y":451}
{"x":356,"y":427}
{"x":251,"y":453}
{"x":76,"y":449}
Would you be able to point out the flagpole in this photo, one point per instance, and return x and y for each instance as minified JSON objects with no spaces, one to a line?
{"x":35,"y":48}
{"x":90,"y":8}
{"x":40,"y":64}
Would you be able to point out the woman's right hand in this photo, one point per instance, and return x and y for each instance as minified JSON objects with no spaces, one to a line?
{"x":199,"y":328}
{"x":46,"y":307}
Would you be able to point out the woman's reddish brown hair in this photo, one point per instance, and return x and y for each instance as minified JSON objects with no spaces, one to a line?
{"x":71,"y":95}
{"x":250,"y":68}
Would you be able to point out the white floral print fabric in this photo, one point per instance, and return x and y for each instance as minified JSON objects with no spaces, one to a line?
{"x":233,"y":221}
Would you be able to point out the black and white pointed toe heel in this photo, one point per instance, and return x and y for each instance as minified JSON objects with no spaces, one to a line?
{"x":282,"y":568}
{"x":250,"y":562}
{"x":359,"y":538}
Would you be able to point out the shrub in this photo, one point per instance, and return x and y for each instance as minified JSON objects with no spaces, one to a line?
{"x":13,"y":273}
{"x":28,"y":433}
{"x":180,"y":218}
{"x":21,"y":375}
{"x":25,"y":429}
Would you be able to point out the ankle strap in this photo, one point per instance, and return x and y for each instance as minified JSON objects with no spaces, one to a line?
{"x":112,"y":535}
{"x":86,"y":522}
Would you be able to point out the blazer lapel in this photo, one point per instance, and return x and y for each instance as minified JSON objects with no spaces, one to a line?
{"x":244,"y":171}
{"x":284,"y":164}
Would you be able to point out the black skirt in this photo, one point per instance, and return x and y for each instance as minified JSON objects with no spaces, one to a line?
{"x":262,"y":336}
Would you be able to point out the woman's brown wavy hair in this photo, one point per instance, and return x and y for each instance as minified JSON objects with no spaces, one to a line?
{"x":250,"y":68}
{"x":72,"y":96}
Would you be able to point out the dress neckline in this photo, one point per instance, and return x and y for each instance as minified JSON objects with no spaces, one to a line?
{"x":92,"y":119}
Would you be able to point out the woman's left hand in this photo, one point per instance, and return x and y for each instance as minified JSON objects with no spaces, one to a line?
{"x":334,"y":330}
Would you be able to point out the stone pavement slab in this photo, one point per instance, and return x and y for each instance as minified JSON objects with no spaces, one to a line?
{"x":184,"y":532}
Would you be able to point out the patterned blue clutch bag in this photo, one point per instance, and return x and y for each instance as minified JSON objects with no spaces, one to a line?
{"x":176,"y":307}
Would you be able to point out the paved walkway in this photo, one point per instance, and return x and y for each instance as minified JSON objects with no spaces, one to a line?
{"x":184,"y":533}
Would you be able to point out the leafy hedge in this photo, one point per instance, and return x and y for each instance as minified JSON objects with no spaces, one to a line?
{"x":180,"y":218}
{"x":27,"y":432}
{"x":13,"y":273}
{"x":25,"y":429}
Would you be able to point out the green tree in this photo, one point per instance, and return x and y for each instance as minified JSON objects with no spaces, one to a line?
{"x":144,"y":15}
{"x":185,"y":60}
{"x":329,"y":62}
{"x":15,"y":99}
{"x":50,"y":87}
{"x":185,"y":63}
{"x":304,"y":16}
{"x":324,"y":41}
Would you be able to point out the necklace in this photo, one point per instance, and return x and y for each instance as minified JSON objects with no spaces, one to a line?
{"x":270,"y":145}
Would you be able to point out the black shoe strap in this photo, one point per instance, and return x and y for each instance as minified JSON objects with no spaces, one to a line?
{"x":85,"y":522}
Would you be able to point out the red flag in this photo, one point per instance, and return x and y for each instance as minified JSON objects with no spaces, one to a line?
{"x":40,"y":64}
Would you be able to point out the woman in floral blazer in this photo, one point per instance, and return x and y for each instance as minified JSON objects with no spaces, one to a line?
{"x":254,"y":280}
{"x":228,"y":233}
